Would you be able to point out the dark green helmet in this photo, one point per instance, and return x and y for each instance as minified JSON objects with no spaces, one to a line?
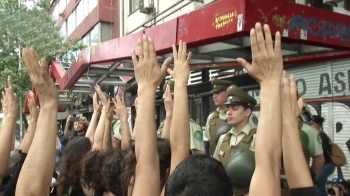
{"x":222,"y":130}
{"x":240,"y":168}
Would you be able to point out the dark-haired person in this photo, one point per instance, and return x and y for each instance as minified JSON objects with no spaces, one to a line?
{"x":328,"y":167}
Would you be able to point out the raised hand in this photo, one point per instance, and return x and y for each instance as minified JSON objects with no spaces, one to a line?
{"x":168,"y":100}
{"x":120,"y":108}
{"x":101,"y":95}
{"x":267,"y":62}
{"x":33,"y":108}
{"x":181,"y":70}
{"x":97,"y":106}
{"x":109,"y":112}
{"x":40,"y":78}
{"x":147,"y":70}
{"x":10,"y":99}
{"x":291,"y":105}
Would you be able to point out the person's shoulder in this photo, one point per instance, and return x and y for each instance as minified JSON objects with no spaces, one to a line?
{"x":309,"y":129}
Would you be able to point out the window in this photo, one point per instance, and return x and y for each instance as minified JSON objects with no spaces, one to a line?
{"x":71,"y":23}
{"x":92,"y":4}
{"x":95,"y":35}
{"x":55,"y":13}
{"x":134,"y":5}
{"x":63,"y":29}
{"x":80,"y":13}
{"x":106,"y":31}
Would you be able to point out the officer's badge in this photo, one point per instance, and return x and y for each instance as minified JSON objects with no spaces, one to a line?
{"x":319,"y":139}
{"x":198,"y":135}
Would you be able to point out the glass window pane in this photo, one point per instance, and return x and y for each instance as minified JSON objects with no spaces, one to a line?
{"x":95,"y":35}
{"x":71,"y":23}
{"x":92,"y":4}
{"x":80,"y":12}
{"x":55,"y":13}
{"x":134,"y":5}
{"x":63,"y":29}
{"x":106,"y":31}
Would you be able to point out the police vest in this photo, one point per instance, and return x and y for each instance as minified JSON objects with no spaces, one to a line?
{"x":226,"y":151}
{"x":214,"y":123}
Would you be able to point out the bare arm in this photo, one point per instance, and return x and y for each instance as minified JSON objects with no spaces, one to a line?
{"x":297,"y":170}
{"x":107,"y":135}
{"x":66,"y":129}
{"x":122,"y":112}
{"x":267,"y":70}
{"x":167,"y":125}
{"x":34,"y":113}
{"x":98,"y":137}
{"x":148,"y":75}
{"x":317,"y":163}
{"x":10,"y":99}
{"x":40,"y":161}
{"x":90,"y":133}
{"x":168,"y":103}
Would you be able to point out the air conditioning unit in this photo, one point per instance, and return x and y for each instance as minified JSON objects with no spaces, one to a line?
{"x":146,"y":6}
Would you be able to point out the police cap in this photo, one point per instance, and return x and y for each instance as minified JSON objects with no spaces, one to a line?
{"x":220,"y":85}
{"x":236,"y":96}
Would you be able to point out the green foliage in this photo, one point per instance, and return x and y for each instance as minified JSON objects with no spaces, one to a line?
{"x":22,"y":26}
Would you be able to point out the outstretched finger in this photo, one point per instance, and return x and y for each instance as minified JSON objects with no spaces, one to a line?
{"x":9,"y":82}
{"x":293,"y":88}
{"x":300,"y":104}
{"x":184,"y":50}
{"x":165,"y":66}
{"x":115,"y":103}
{"x":260,"y":38}
{"x":254,"y":43}
{"x":244,"y":64}
{"x":145,"y":45}
{"x":152,"y":50}
{"x":278,"y":43}
{"x":175,"y":53}
{"x":167,"y":91}
{"x":44,"y":70}
{"x":134,"y":58}
{"x":268,"y":39}
{"x":140,"y":47}
{"x":189,"y":57}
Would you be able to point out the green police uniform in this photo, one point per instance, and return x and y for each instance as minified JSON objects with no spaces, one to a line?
{"x":312,"y":146}
{"x":196,"y":136}
{"x":216,"y":118}
{"x":231,"y":143}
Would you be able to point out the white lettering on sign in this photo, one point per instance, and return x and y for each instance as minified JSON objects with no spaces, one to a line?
{"x":319,"y":85}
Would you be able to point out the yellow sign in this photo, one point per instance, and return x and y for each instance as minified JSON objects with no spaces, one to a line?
{"x":224,"y":20}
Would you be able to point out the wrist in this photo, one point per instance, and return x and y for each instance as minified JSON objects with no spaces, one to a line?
{"x":143,"y":89}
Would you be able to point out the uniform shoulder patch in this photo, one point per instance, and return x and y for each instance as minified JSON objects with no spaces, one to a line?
{"x":198,"y":135}
{"x":319,"y":138}
{"x":255,"y":120}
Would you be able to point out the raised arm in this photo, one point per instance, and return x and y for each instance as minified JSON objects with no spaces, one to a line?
{"x":98,"y":137}
{"x":107,"y":134}
{"x":122,"y":112}
{"x":267,"y":68}
{"x":168,"y":103}
{"x":10,"y":101}
{"x":148,"y":76}
{"x":90,"y":133}
{"x":40,"y":161}
{"x":297,"y":171}
{"x":34,"y":114}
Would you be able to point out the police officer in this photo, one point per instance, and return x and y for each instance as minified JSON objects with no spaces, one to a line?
{"x":196,"y":133}
{"x":218,"y":117}
{"x":241,"y":137}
